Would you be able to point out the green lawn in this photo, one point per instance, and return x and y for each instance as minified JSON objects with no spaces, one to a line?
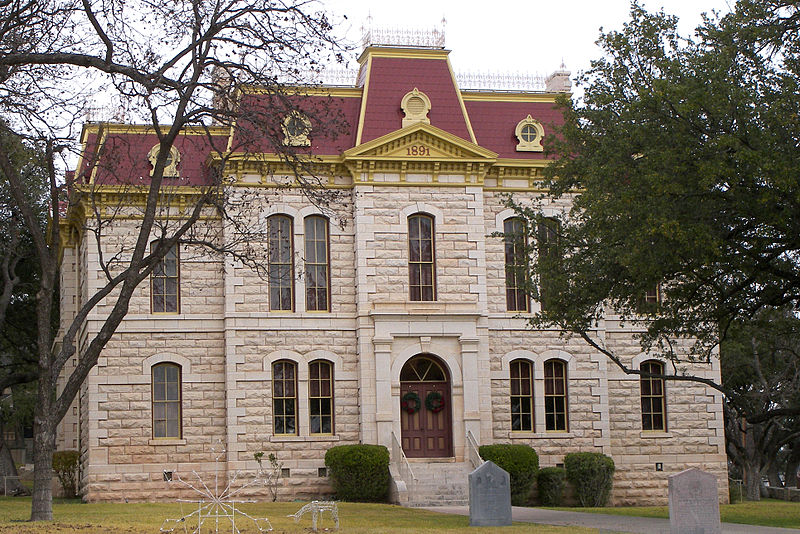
{"x":146,"y":518}
{"x":767,"y":512}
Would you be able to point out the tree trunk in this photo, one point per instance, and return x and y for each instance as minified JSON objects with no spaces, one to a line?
{"x":44,"y":444}
{"x":752,"y":482}
{"x":8,"y":468}
{"x":773,"y":476}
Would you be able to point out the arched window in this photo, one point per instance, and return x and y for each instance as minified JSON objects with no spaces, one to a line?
{"x":284,"y":397}
{"x":165,"y":287}
{"x":549,"y":251}
{"x":514,"y":238}
{"x":166,"y":400}
{"x":421,"y":254}
{"x":653,"y":398}
{"x":522,"y":419}
{"x":555,"y":396}
{"x":320,"y":397}
{"x":281,"y":258}
{"x":317,"y":264}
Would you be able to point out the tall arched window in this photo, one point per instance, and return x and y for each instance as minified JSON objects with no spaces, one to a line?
{"x":284,"y":397}
{"x":522,"y":419}
{"x":281,"y":259}
{"x":320,"y":397}
{"x":549,"y":251}
{"x":421,"y":254}
{"x":165,"y":287}
{"x":317,"y":264}
{"x":555,"y":396}
{"x":514,"y":238}
{"x":653,"y":397}
{"x":166,"y":400}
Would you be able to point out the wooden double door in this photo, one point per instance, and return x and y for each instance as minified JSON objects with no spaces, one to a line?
{"x":425,"y":432}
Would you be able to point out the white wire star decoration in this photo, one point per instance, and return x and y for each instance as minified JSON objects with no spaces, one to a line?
{"x":216,"y":508}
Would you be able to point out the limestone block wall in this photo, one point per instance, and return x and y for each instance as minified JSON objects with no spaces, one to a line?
{"x":247,"y":291}
{"x":694,"y":435}
{"x":586,"y":403}
{"x":381,"y":218}
{"x":251,"y":354}
{"x":124,"y":458}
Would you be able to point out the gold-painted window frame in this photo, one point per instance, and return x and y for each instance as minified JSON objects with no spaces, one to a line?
{"x":518,"y":383}
{"x":317,"y":398}
{"x":556,"y":405}
{"x":280,"y":398}
{"x":313,"y":262}
{"x":166,"y":402}
{"x":157,"y":274}
{"x":417,"y":265}
{"x":514,"y":241}
{"x":653,"y":397}
{"x":285,"y":265}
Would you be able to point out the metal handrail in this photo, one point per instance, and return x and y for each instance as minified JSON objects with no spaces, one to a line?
{"x":472,"y":450}
{"x":399,"y":459}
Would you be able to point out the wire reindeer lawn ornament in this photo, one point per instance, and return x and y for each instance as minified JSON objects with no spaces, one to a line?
{"x":215,"y":506}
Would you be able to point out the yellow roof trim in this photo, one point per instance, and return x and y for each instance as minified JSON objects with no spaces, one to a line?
{"x":508,"y":162}
{"x":316,"y":90}
{"x":411,"y":53}
{"x":497,"y":96}
{"x":468,"y":146}
{"x":461,"y":102}
{"x":117,"y":128}
{"x":363,"y":110}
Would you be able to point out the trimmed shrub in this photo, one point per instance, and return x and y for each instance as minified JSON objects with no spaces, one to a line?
{"x":591,"y":474}
{"x":360,"y":473}
{"x":521,"y":462}
{"x":65,"y":465}
{"x":551,"y":481}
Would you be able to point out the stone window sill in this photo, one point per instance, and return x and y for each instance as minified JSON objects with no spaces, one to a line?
{"x":647,"y":434}
{"x":279,"y":439}
{"x":167,"y":442}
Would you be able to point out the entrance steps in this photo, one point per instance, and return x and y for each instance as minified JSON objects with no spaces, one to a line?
{"x":439,"y":483}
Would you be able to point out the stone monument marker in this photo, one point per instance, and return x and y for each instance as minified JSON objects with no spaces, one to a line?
{"x":693,"y":503}
{"x":489,"y":496}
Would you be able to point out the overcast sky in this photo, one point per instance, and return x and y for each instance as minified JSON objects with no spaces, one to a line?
{"x":515,"y":35}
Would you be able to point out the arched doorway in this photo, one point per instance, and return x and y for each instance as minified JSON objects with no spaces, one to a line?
{"x":428,"y":431}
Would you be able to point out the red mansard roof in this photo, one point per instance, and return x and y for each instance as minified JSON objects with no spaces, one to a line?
{"x":341,"y":118}
{"x":390,"y":78}
{"x":495,"y":121}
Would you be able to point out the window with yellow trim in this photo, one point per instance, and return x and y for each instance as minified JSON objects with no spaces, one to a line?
{"x":284,"y":397}
{"x":166,"y":400}
{"x":317,"y":264}
{"x":555,"y":396}
{"x":320,"y":397}
{"x":421,"y":254}
{"x":165,"y":283}
{"x":522,"y":419}
{"x":514,"y":238}
{"x":281,"y":263}
{"x":653,"y":397}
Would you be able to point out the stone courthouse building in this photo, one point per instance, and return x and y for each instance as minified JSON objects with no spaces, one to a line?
{"x":396,"y":320}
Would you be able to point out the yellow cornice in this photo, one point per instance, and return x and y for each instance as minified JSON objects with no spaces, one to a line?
{"x":311,"y":90}
{"x":509,"y":162}
{"x":499,"y":96}
{"x":411,"y":53}
{"x":141,"y":129}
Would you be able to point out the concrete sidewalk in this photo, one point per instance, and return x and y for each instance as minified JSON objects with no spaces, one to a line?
{"x":607,"y":523}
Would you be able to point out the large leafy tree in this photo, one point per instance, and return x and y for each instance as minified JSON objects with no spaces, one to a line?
{"x":682,"y":161}
{"x":170,"y":65}
{"x":761,"y":372}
